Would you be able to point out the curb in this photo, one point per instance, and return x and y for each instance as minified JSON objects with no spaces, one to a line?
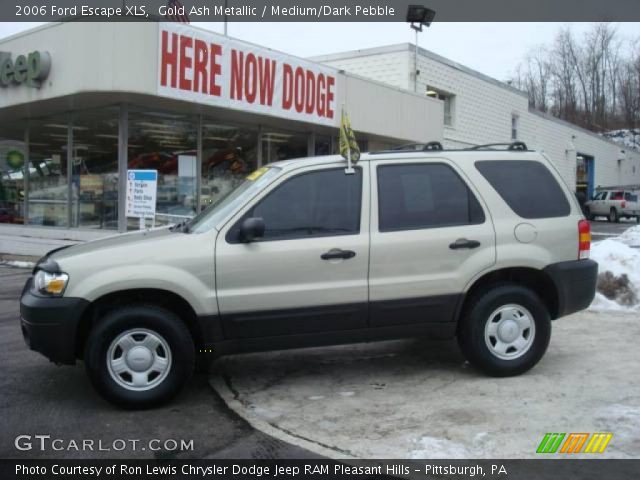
{"x":222,"y":388}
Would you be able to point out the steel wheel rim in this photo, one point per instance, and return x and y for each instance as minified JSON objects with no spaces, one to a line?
{"x":509,"y":331}
{"x":139,"y":359}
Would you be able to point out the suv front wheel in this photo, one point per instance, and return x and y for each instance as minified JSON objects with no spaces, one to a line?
{"x":505,"y":331}
{"x":139,"y":356}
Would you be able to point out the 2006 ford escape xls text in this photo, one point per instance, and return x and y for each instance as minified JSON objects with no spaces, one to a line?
{"x":486,"y":244}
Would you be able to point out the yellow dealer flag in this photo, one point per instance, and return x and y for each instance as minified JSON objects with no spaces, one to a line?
{"x":348,"y":146}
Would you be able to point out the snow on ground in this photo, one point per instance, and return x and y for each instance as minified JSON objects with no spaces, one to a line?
{"x":621,"y":256}
{"x":16,"y":264}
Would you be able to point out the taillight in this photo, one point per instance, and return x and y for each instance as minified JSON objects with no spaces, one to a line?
{"x":623,"y":204}
{"x":584,"y":239}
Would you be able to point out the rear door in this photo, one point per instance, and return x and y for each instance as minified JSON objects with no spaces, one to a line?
{"x":431,"y":235}
{"x":309,"y":272}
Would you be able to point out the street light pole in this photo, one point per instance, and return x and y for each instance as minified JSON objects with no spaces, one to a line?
{"x":418,"y":16}
{"x":415,"y":62}
{"x":225,"y":18}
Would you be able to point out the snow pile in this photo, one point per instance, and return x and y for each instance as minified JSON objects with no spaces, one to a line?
{"x":16,"y":264}
{"x":630,"y":138}
{"x":620,"y":288}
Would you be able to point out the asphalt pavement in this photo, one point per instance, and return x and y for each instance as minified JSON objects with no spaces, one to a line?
{"x":601,"y":229}
{"x":39,"y":398}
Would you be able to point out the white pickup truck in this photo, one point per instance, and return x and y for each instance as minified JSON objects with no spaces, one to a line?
{"x":614,"y":204}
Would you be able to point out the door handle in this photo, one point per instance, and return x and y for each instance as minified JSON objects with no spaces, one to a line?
{"x":464,"y":243}
{"x":335,"y":253}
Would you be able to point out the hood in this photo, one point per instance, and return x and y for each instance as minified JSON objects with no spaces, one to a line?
{"x":116,"y":241}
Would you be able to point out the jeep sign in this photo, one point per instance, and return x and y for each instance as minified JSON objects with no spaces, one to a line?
{"x":30,"y":70}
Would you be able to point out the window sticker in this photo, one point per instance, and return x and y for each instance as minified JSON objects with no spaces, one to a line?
{"x":257,"y":174}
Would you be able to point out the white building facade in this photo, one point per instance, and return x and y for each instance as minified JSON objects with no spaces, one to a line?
{"x":480,"y":110}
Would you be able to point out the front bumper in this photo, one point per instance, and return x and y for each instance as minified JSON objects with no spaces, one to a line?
{"x":575,"y":283}
{"x":49,"y":324}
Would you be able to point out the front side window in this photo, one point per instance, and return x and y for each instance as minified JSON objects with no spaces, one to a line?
{"x":527,"y":187}
{"x":313,"y":204}
{"x":417,"y":196}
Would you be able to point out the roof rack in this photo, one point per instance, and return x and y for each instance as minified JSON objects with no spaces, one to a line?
{"x":437,"y":147}
{"x":418,"y":147}
{"x":517,"y":146}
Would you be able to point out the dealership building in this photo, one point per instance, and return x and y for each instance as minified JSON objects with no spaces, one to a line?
{"x":82,"y":103}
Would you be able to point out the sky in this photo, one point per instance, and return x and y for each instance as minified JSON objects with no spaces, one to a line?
{"x":494,"y":49}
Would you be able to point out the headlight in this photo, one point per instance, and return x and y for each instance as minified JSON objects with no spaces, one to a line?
{"x":47,"y":283}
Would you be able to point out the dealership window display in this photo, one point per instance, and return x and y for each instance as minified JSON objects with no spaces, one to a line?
{"x":94,"y":171}
{"x":229,"y":153}
{"x":48,"y":183}
{"x":12,"y":173}
{"x":166,"y":142}
{"x":282,"y":145}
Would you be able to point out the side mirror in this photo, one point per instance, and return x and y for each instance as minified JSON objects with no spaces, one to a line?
{"x":251,"y":229}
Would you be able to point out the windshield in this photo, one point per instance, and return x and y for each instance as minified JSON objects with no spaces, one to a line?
{"x":231,"y":200}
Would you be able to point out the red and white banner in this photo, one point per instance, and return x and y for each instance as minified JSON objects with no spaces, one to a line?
{"x":205,"y":67}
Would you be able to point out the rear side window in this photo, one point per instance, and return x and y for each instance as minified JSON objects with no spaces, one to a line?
{"x":412,"y":197}
{"x":617,"y":195}
{"x":527,"y":186}
{"x":630,"y":197}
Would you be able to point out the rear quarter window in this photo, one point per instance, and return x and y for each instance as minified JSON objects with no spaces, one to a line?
{"x":527,"y":186}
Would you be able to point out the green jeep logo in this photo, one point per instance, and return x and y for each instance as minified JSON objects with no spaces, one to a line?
{"x":29,"y":69}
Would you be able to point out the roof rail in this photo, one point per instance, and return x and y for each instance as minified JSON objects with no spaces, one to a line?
{"x":437,"y":147}
{"x":517,"y":146}
{"x":418,"y":147}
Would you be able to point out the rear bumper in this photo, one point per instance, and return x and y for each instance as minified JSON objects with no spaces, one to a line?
{"x":575,"y":283}
{"x":49,"y":325}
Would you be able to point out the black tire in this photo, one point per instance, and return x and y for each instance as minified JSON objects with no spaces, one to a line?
{"x":161,"y":324}
{"x":471,"y":331}
{"x":613,"y":216}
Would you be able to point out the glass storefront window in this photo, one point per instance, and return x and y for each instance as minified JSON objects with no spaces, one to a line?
{"x":280,"y":145}
{"x":323,"y":145}
{"x":48,"y":186}
{"x":167,"y":143}
{"x":94,"y":172}
{"x":229,"y":153}
{"x":12,"y":173}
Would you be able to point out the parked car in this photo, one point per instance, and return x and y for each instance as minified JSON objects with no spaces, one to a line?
{"x":613,"y":204}
{"x":6,"y":214}
{"x":487,"y":245}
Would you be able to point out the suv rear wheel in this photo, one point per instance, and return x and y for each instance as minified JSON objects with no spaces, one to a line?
{"x":139,"y":356}
{"x":505,"y":331}
{"x":613,"y":216}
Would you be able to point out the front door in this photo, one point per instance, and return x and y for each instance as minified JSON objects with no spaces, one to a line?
{"x":431,"y":235}
{"x":308,"y":273}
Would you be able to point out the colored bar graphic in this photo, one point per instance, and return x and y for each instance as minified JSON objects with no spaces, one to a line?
{"x":598,"y":442}
{"x":574,"y":443}
{"x":550,"y":443}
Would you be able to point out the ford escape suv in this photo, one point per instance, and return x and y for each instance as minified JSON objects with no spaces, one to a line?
{"x":488,"y":245}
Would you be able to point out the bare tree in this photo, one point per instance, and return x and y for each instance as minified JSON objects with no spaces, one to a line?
{"x":594,"y":82}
